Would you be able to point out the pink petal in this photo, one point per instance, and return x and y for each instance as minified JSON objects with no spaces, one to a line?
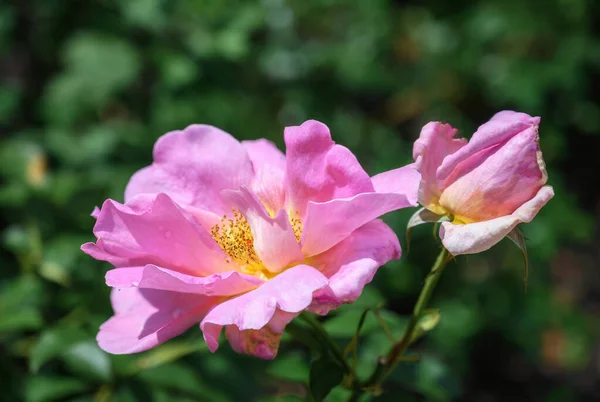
{"x":435,"y":142}
{"x":268,"y":187}
{"x":510,"y":115}
{"x":477,"y":237}
{"x":497,"y":182}
{"x":352,"y":263}
{"x":263,"y":152}
{"x":153,"y":277}
{"x":328,"y":223}
{"x":495,"y":132}
{"x":318,"y":170}
{"x":262,"y":343}
{"x":404,"y":180}
{"x":163,"y":235}
{"x":193,"y":166}
{"x":145,"y":318}
{"x":274,"y":239}
{"x":291,"y":292}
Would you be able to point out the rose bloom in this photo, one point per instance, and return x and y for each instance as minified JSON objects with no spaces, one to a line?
{"x":485,"y":186}
{"x":241,"y":236}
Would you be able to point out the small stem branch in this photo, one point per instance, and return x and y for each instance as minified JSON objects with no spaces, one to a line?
{"x":387,"y":363}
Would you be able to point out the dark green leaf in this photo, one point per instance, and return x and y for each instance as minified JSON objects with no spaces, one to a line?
{"x":52,"y":343}
{"x":87,"y":359}
{"x":45,"y":389}
{"x":167,"y":353}
{"x":178,"y":377}
{"x":325,"y":374}
{"x":291,"y":366}
{"x":516,"y":236}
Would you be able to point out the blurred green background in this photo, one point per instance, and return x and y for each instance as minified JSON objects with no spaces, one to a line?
{"x":86,"y":87}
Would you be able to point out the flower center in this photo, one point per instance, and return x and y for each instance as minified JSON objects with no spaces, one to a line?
{"x":234,"y":236}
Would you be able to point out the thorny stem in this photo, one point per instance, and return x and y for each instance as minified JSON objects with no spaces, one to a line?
{"x":388,"y":362}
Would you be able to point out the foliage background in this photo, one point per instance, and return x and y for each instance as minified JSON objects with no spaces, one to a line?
{"x":87,"y":87}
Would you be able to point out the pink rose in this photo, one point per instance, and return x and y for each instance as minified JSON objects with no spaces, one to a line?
{"x":241,"y":236}
{"x":485,"y":186}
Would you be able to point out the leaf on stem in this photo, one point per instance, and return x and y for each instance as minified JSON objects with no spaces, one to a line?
{"x":422,"y":216}
{"x":427,"y":321}
{"x":325,"y":374}
{"x":516,"y":236}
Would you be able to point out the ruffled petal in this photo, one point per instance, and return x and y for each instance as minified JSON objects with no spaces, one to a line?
{"x":328,"y":223}
{"x":262,"y":343}
{"x":193,"y":166}
{"x":317,"y":169}
{"x":268,"y":187}
{"x":153,"y":277}
{"x":502,"y":127}
{"x":162,"y":234}
{"x":498,"y":183}
{"x":435,"y":142}
{"x":263,"y":152}
{"x":145,"y":318}
{"x":477,"y":237}
{"x":404,"y":180}
{"x":274,"y":239}
{"x":351,"y":264}
{"x":291,"y":292}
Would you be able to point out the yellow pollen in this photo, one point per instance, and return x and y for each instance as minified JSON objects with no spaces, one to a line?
{"x":235,"y":237}
{"x":296,"y":226}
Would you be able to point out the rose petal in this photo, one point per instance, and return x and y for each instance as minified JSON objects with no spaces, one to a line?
{"x":262,"y":343}
{"x":274,"y":239}
{"x":163,"y":235}
{"x":435,"y":142}
{"x":498,"y":183}
{"x":291,"y":291}
{"x":328,"y":223}
{"x":477,"y":237}
{"x":193,"y":166}
{"x":318,"y":170}
{"x":263,"y":152}
{"x":153,"y":277}
{"x":145,"y":318}
{"x":268,"y":186}
{"x":495,"y":132}
{"x":404,"y":180}
{"x":352,"y":263}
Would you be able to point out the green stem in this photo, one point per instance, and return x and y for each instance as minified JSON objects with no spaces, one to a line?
{"x":387,"y":363}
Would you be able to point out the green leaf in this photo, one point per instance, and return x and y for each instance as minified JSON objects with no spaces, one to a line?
{"x":19,"y":304}
{"x":304,"y":334}
{"x":26,"y":319}
{"x":45,"y":388}
{"x":428,"y":320}
{"x":59,"y":258}
{"x":167,"y":353}
{"x":53,"y":343}
{"x":420,"y":217}
{"x":325,"y":374}
{"x":87,"y":359}
{"x":178,"y":377}
{"x":292,"y":367}
{"x":343,"y":325}
{"x":516,"y":236}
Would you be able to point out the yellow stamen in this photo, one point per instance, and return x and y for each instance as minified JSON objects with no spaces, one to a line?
{"x":234,"y":236}
{"x":296,"y":226}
